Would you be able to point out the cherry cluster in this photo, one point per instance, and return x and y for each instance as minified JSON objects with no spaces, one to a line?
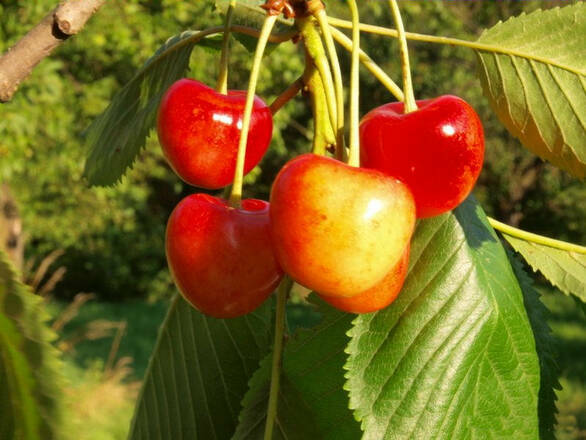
{"x":341,"y":231}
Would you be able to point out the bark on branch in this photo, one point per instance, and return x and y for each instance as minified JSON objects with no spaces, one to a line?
{"x":65,"y":20}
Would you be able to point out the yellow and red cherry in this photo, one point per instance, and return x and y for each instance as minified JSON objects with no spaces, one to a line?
{"x":436,"y":150}
{"x":221,"y":258}
{"x":377,"y":297}
{"x":337,"y":229}
{"x":199,"y":131}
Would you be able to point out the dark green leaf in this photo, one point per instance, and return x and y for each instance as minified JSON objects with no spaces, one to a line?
{"x":535,"y":80}
{"x":565,"y":270}
{"x":29,"y":382}
{"x":545,"y":343}
{"x":313,"y":378}
{"x":116,"y":136}
{"x":199,"y":373}
{"x":454,"y":356}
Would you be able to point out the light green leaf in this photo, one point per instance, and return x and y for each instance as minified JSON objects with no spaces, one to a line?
{"x":565,"y":270}
{"x":312,"y":378}
{"x":199,"y":373}
{"x":116,"y":136}
{"x":534,"y":75}
{"x":546,"y":350}
{"x":454,"y":356}
{"x":29,"y":365}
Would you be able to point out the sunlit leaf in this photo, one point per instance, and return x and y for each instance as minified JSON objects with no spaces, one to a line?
{"x":535,"y":76}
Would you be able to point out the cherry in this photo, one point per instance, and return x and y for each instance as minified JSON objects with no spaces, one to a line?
{"x":199,"y":130}
{"x":221,"y":258}
{"x":377,"y":297}
{"x":337,"y":229}
{"x":436,"y":150}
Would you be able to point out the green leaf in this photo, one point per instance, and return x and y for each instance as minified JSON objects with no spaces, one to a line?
{"x":545,"y":344}
{"x":291,"y":410}
{"x":565,"y":270}
{"x":312,"y":379}
{"x":199,"y":373}
{"x":116,"y":137}
{"x":534,"y":77}
{"x":29,"y":365}
{"x":454,"y":356}
{"x":249,"y":13}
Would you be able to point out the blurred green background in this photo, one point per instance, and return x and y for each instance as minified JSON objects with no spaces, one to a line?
{"x":109,"y":242}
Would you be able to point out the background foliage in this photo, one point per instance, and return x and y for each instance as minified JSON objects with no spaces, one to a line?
{"x":113,"y":237}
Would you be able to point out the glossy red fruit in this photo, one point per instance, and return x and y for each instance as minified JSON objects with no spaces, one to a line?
{"x":377,"y":297}
{"x":221,"y":258}
{"x":437,"y":150}
{"x":199,"y":130}
{"x":338,"y":229}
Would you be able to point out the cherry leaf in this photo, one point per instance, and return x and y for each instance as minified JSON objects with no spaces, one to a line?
{"x":454,"y":356}
{"x":533,"y":71}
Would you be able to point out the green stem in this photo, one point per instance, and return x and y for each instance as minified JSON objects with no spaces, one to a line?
{"x":368,"y":62}
{"x":322,"y":19}
{"x":282,"y":294}
{"x":410,"y":104}
{"x":286,"y":96}
{"x":535,"y":238}
{"x":222,"y":84}
{"x":323,"y":131}
{"x":354,"y":154}
{"x":345,"y":24}
{"x":315,"y":49}
{"x":236,"y":194}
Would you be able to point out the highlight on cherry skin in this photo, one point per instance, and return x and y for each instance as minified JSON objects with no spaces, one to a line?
{"x":199,"y":131}
{"x":221,"y":258}
{"x":377,"y":297}
{"x":436,"y":150}
{"x":337,"y":229}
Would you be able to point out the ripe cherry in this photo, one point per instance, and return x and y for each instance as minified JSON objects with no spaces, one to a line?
{"x":221,"y":258}
{"x":380,"y":295}
{"x":199,"y":130}
{"x":436,"y":150}
{"x":337,"y":229}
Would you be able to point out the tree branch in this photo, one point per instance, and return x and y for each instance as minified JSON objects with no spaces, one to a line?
{"x":65,"y":20}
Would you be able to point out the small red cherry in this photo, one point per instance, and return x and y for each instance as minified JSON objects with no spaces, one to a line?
{"x":199,"y":130}
{"x":221,"y":258}
{"x":436,"y":150}
{"x":337,"y":229}
{"x":377,"y":297}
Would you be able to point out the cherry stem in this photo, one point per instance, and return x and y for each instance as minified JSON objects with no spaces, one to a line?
{"x":222,"y":84}
{"x":315,"y":49}
{"x":322,"y":19}
{"x":410,"y":104}
{"x":289,"y":93}
{"x":535,"y":238}
{"x":282,"y":293}
{"x":267,"y":27}
{"x":354,"y":155}
{"x":368,"y":62}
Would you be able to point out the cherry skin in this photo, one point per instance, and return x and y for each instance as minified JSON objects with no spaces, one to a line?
{"x":337,"y":229}
{"x":377,"y":297}
{"x":436,"y":150}
{"x":221,"y":258}
{"x":199,"y":131}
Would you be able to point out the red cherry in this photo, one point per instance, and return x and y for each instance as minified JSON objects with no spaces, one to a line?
{"x":199,"y":130}
{"x":337,"y":229}
{"x":377,"y":297}
{"x":221,"y":258}
{"x":437,"y":150}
